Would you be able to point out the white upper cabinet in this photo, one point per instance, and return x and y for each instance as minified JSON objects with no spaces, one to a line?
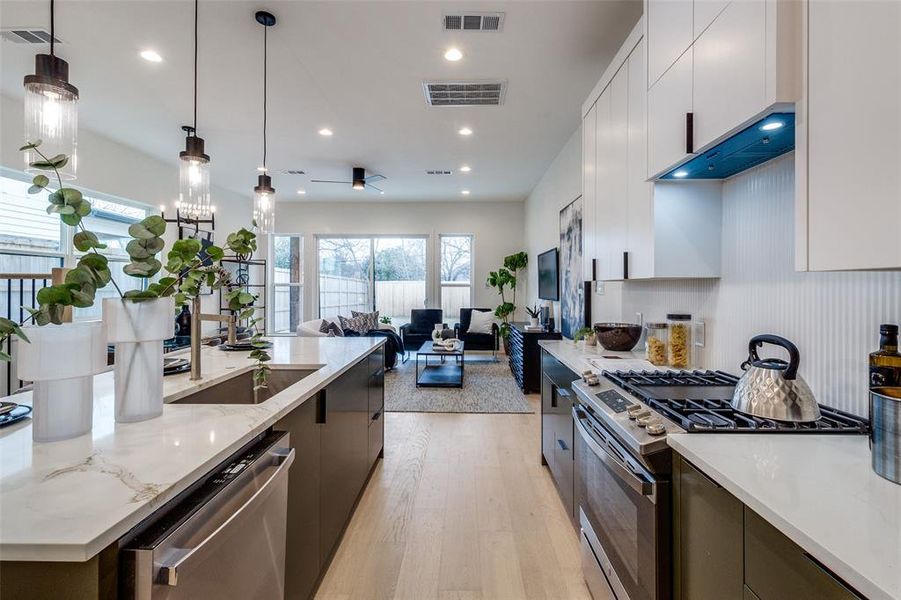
{"x":669,"y":34}
{"x":612,"y":199}
{"x":849,"y":135}
{"x":729,"y":70}
{"x":743,"y":62}
{"x":669,"y":104}
{"x":705,"y":11}
{"x":589,"y":178}
{"x":640,"y":193}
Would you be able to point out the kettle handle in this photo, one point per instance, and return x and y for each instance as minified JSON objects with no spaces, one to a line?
{"x":794,"y":356}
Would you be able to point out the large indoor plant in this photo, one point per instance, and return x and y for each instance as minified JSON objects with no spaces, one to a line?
{"x":503,"y":279}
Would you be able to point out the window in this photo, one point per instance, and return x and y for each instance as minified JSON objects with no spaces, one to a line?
{"x":25,"y":225}
{"x":345,"y":276}
{"x":287,"y":279}
{"x":399,"y":277}
{"x":456,"y":274}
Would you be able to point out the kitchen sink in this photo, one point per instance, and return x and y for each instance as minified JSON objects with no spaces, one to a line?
{"x":239,"y":389}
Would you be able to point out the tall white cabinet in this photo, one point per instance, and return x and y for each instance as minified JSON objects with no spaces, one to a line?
{"x":848,"y":163}
{"x":638,"y":229}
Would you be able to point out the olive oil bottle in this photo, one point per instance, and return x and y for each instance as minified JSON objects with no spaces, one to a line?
{"x":885,"y":364}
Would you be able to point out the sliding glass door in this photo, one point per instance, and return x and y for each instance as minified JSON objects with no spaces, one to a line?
{"x":387,"y":274}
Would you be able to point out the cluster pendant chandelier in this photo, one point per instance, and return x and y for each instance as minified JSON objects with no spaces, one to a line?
{"x":194,"y":164}
{"x":51,"y":108}
{"x":263,"y":192}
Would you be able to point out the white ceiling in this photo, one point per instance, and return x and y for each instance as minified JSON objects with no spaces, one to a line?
{"x":355,"y":67}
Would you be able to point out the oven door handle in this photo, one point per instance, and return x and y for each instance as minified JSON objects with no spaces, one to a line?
{"x":639,"y":485}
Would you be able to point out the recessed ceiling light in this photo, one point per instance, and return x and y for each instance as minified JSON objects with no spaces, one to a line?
{"x":301,"y":192}
{"x":465,"y":131}
{"x":680,"y":174}
{"x":151,"y":56}
{"x":465,"y":169}
{"x":382,"y":192}
{"x":465,"y":192}
{"x":325,"y":131}
{"x":453,"y":55}
{"x":772,"y":125}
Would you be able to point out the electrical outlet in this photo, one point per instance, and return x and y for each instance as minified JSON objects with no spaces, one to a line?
{"x":639,"y":318}
{"x":699,"y":335}
{"x":599,"y":288}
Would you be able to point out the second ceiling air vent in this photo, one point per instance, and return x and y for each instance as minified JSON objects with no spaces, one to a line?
{"x":474,"y":21}
{"x":27,"y":35}
{"x":464,"y":93}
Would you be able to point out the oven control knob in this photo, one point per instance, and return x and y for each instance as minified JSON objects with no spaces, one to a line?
{"x":645,"y":420}
{"x":656,"y":428}
{"x":636,"y":411}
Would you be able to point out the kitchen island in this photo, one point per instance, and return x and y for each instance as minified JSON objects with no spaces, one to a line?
{"x":67,"y":502}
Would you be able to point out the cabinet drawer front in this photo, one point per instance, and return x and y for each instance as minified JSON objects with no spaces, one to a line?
{"x":776,"y":567}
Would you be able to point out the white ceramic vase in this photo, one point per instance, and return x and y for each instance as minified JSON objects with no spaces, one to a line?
{"x":138,"y":330}
{"x":533,"y":321}
{"x":62,"y":360}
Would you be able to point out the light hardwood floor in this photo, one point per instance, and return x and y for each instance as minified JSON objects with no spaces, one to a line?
{"x":460,"y":508}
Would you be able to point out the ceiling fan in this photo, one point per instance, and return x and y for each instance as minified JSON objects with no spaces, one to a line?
{"x":359,"y":181}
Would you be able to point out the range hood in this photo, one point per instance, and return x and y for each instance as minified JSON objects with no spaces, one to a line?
{"x":772,"y":136}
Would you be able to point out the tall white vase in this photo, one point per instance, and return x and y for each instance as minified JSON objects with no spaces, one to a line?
{"x":138,"y":330}
{"x":62,"y":360}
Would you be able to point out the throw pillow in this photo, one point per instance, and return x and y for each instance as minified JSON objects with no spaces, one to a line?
{"x":330,"y":328}
{"x":373,"y":319}
{"x":358,"y":325}
{"x":480,"y":322}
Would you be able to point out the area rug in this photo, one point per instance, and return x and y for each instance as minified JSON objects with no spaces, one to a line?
{"x":488,"y":387}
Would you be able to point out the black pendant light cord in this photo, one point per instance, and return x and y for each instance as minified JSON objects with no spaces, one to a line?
{"x":52,"y":27}
{"x":265,"y":87}
{"x":196,"y":13}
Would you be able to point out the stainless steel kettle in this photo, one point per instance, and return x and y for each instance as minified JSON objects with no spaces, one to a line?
{"x":771,"y":388}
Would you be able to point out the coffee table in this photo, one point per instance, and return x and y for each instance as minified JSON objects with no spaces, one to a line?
{"x":443,"y":374}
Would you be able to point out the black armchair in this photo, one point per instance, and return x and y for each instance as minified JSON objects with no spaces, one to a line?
{"x":476,"y":341}
{"x":419,"y":329}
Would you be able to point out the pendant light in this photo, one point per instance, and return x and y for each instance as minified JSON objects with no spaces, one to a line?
{"x":194,"y":164}
{"x":263,"y":192}
{"x":51,"y":111}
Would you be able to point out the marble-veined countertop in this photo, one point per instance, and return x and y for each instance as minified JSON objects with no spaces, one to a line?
{"x":67,"y":500}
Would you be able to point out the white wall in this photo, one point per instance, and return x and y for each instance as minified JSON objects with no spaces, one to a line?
{"x":496,"y":227}
{"x":112,"y":168}
{"x":560,"y":185}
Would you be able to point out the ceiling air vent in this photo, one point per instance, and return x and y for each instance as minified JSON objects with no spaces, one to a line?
{"x":464,"y":93}
{"x":27,"y":35}
{"x":438,"y":172}
{"x":475,"y":21}
{"x":292,"y":172}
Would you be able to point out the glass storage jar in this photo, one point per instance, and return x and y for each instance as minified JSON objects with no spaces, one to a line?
{"x":679,"y":340}
{"x":656,"y":336}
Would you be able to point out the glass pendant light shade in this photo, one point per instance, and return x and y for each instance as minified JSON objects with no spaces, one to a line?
{"x":194,"y":178}
{"x":264,"y":205}
{"x":51,"y":113}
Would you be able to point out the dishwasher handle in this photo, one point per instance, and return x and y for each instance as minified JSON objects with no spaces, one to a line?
{"x":168,"y":573}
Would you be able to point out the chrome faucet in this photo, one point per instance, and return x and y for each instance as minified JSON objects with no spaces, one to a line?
{"x":197,"y":319}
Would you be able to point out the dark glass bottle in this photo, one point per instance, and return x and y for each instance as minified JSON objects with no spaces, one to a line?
{"x":885,"y":364}
{"x":183,"y":322}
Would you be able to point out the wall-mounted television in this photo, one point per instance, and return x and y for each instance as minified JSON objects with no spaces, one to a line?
{"x":549,"y":275}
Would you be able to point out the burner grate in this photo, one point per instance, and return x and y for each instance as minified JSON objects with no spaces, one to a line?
{"x":700,"y":401}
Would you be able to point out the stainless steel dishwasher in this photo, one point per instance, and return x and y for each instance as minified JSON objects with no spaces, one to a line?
{"x":222,"y":538}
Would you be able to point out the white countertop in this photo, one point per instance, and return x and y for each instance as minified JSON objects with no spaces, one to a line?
{"x":819,"y":491}
{"x":66,"y":501}
{"x":579,"y":357}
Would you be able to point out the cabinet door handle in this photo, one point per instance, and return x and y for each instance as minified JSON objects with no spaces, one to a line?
{"x":553,"y":395}
{"x":564,"y":393}
{"x":562,"y":445}
{"x":321,"y":407}
{"x":375,"y":417}
{"x":689,"y":133}
{"x":594,"y":269}
{"x":625,"y":264}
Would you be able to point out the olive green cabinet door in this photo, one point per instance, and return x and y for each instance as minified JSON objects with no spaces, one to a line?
{"x":708,"y":530}
{"x":776,"y":568}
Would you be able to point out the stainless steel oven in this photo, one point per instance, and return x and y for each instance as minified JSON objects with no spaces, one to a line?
{"x":624,"y":517}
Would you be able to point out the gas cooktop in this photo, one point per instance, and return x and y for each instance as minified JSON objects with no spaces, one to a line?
{"x":699,"y":401}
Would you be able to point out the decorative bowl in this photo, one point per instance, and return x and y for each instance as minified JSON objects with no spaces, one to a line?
{"x":618,"y":337}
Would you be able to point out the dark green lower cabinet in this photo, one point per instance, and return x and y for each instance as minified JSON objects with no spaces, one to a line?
{"x":723,"y":550}
{"x":776,"y":568}
{"x":707,"y":537}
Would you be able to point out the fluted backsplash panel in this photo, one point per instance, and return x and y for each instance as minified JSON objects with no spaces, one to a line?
{"x":833,"y":317}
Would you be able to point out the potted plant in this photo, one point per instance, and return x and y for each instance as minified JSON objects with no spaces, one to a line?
{"x":585,"y":335}
{"x":504,"y":278}
{"x":533,"y":313}
{"x":62,"y":358}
